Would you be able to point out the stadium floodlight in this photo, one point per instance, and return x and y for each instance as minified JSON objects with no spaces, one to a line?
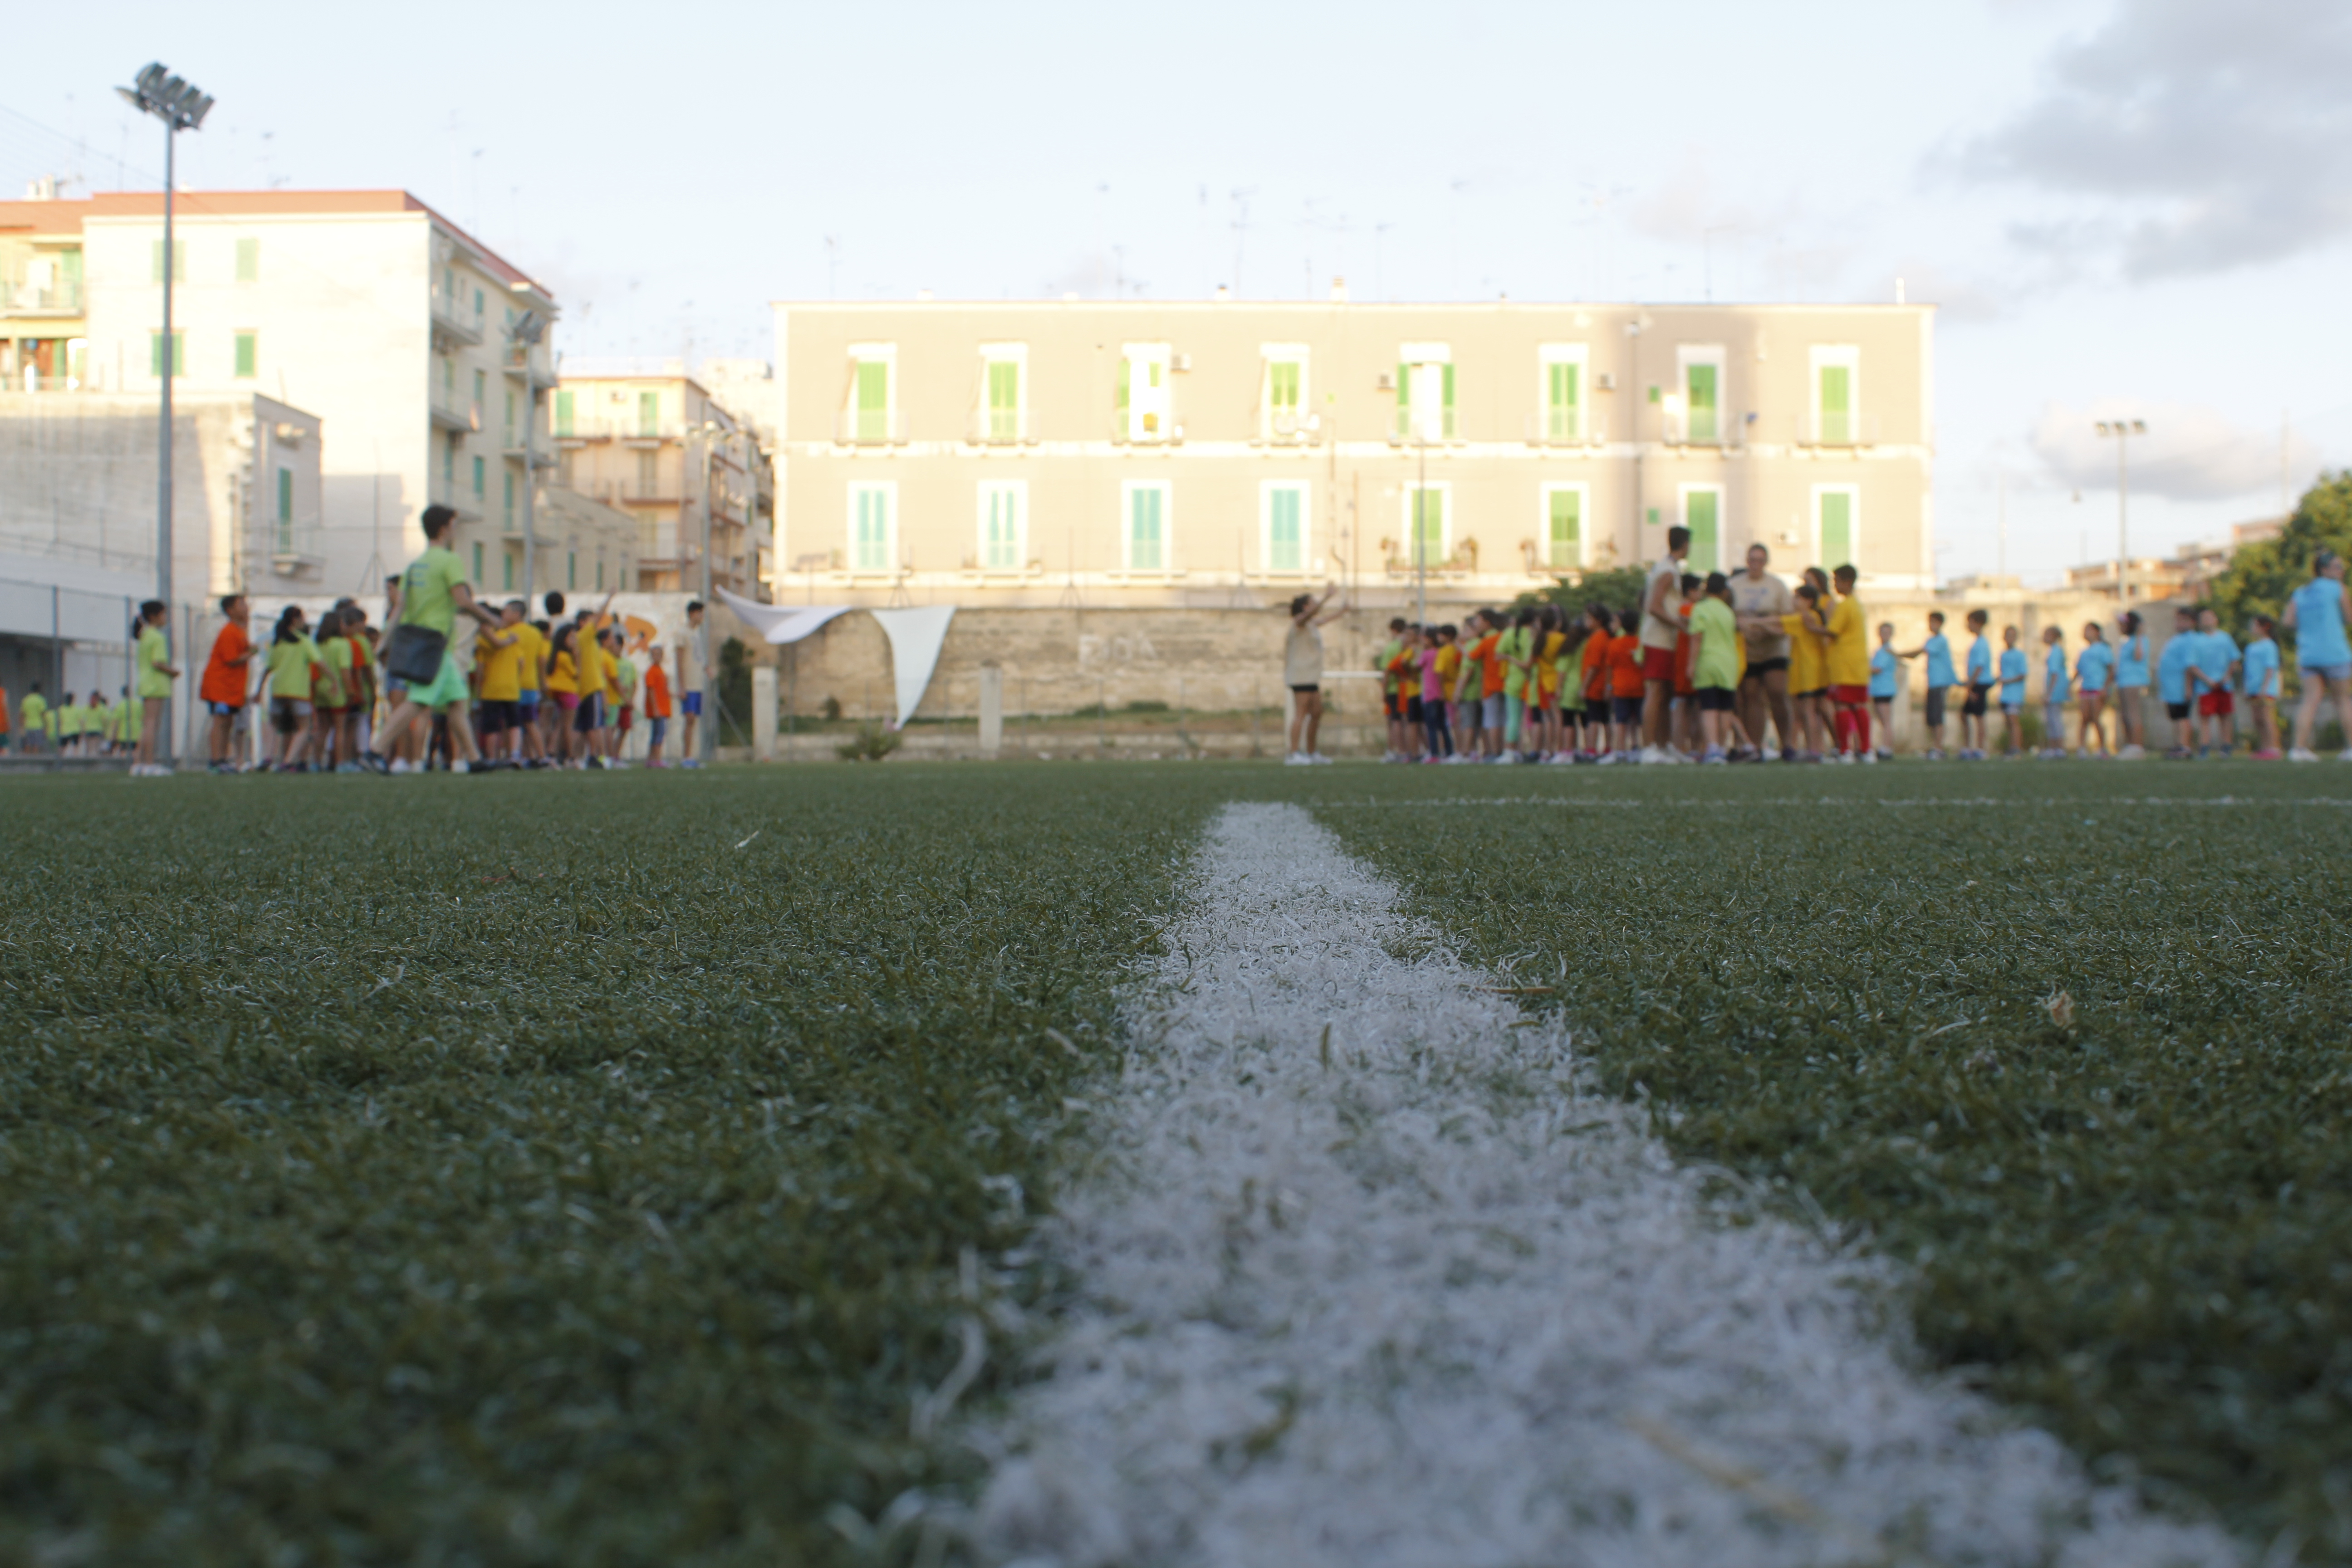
{"x":181,"y":105}
{"x":2121,"y":431}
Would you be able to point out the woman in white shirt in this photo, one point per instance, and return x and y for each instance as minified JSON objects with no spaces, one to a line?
{"x":1302,"y":670}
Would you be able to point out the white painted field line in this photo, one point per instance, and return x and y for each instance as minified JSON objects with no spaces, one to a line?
{"x":1433,"y":1304}
{"x":1848,"y":803}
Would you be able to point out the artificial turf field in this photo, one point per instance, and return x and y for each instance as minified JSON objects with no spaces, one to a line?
{"x":584,"y":1171}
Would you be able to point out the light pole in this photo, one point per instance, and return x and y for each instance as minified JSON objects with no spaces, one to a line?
{"x":709,"y":430}
{"x":181,"y":106}
{"x":525,"y":335}
{"x":2123,"y":430}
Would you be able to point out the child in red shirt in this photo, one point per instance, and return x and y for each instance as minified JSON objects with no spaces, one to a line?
{"x":656,"y":684}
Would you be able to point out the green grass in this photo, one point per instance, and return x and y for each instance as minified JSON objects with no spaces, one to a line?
{"x":525,"y":1170}
{"x":2137,"y":1224}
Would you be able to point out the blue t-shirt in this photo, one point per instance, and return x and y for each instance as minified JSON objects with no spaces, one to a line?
{"x":2172,"y":666}
{"x":2092,"y":666}
{"x":1939,"y":664}
{"x":2131,"y":661}
{"x":2262,"y":672}
{"x":1980,"y":661}
{"x":2319,"y":641}
{"x":2216,"y":652}
{"x":2012,"y":677}
{"x":1882,"y":672}
{"x":2053,"y":674}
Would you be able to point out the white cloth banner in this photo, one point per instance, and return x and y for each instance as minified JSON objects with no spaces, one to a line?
{"x":915,"y":637}
{"x":779,"y":624}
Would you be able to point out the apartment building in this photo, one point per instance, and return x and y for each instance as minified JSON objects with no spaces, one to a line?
{"x":652,"y":441}
{"x":1201,"y":453}
{"x":367,"y":309}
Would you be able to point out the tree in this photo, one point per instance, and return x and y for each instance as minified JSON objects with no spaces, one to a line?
{"x":1619,"y":587}
{"x":2260,"y":576}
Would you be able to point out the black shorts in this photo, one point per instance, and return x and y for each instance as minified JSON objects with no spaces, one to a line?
{"x":1935,"y":707}
{"x":590,"y":713}
{"x":1713,"y":698}
{"x":1413,"y":710}
{"x":2177,"y":710}
{"x":1973,"y":706}
{"x":1759,"y":667}
{"x":499,"y":715}
{"x":1307,"y":690}
{"x":1625,"y":710}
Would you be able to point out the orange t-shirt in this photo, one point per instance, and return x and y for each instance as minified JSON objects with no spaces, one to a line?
{"x":224,"y":680}
{"x":1684,"y":651}
{"x":1626,"y":665}
{"x":1491,"y":668}
{"x":1596,"y":667}
{"x":656,"y":693}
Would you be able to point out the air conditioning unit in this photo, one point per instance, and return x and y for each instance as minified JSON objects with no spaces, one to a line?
{"x":1606,"y":381}
{"x":1387,"y":383}
{"x":1180,"y":362}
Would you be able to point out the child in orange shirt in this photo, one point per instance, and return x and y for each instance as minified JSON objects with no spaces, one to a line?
{"x":656,"y":684}
{"x":1625,"y":690}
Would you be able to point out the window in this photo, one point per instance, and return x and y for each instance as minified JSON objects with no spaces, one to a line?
{"x":1837,"y":536}
{"x":1144,"y":400}
{"x":872,"y":527}
{"x":511,"y":435}
{"x":1003,"y":525}
{"x":449,"y":463}
{"x":1562,"y":391}
{"x":564,"y":413}
{"x":871,"y":401}
{"x":481,"y":393}
{"x":1702,"y":395}
{"x":155,"y":353}
{"x":600,"y":569}
{"x":155,"y":261}
{"x":247,"y":353}
{"x":1283,"y":394}
{"x":1836,"y":389}
{"x":571,"y":569}
{"x":1562,"y":546}
{"x":1282,"y":508}
{"x":478,"y":480}
{"x":285,"y":511}
{"x":648,"y":473}
{"x":477,"y":301}
{"x":508,"y":500}
{"x":1426,"y":509}
{"x":1424,"y":386}
{"x":506,"y":570}
{"x":248,"y":261}
{"x":1003,"y":368}
{"x":1145,"y":541}
{"x":1702,"y":515}
{"x":477,"y":563}
{"x":648,"y":412}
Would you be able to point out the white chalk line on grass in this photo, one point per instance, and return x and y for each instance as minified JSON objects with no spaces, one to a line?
{"x":1654,"y":803}
{"x":1369,"y":1277}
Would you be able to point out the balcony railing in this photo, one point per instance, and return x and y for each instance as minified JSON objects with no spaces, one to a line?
{"x":62,"y":298}
{"x":1566,"y":428}
{"x":1402,"y":431}
{"x":870,"y":427}
{"x":629,"y":429}
{"x":1003,"y":427}
{"x":454,"y":411}
{"x":533,"y":367}
{"x":1825,"y":429}
{"x":455,"y":318}
{"x":1289,"y":427}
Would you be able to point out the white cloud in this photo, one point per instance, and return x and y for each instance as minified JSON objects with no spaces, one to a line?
{"x":2205,"y":136}
{"x":2189,"y":453}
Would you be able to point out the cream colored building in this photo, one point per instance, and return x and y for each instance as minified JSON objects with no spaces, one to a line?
{"x":367,"y":308}
{"x":651,"y":441}
{"x":1163,"y":455}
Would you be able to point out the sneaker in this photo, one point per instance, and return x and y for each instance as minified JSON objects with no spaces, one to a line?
{"x":2344,"y":755}
{"x":2270,"y":756}
{"x":1714,"y":757}
{"x":400,"y":765}
{"x":1295,"y":760}
{"x":2132,"y":754}
{"x":2303,"y":755}
{"x":1870,"y":757}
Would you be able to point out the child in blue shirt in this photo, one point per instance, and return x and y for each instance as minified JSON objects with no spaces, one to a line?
{"x":2054,"y":690}
{"x":2259,"y":679}
{"x":2132,"y":680}
{"x":2012,"y":694}
{"x":2095,"y":669}
{"x":2172,"y":681}
{"x":1883,"y":666}
{"x":1980,"y":683}
{"x":2212,"y":664}
{"x":1941,"y":678}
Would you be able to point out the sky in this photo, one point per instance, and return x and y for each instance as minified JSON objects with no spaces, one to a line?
{"x":2124,"y":208}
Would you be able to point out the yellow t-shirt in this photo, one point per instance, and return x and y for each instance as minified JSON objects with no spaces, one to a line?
{"x":590,"y":662}
{"x":1807,"y":668}
{"x":561,"y":675}
{"x":500,"y":668}
{"x":1849,"y":655}
{"x":533,"y":650}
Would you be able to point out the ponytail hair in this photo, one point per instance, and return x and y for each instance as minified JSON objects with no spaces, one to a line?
{"x":286,"y":619}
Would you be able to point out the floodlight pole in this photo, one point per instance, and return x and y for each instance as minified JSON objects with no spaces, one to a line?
{"x":709,"y":736}
{"x":2123,"y":430}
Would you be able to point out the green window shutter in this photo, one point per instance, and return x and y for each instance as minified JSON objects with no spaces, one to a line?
{"x":1699,"y":515}
{"x":285,"y":511}
{"x":1404,"y":399}
{"x":1837,"y":529}
{"x":873,"y":535}
{"x":478,"y":478}
{"x":1837,"y":406}
{"x":71,"y":261}
{"x":477,"y":563}
{"x":1429,"y":527}
{"x":1126,"y":368}
{"x":1282,"y":385}
{"x":510,"y":418}
{"x":1003,"y":399}
{"x":564,"y":413}
{"x":245,"y":354}
{"x":248,"y":261}
{"x":507,"y":488}
{"x":1449,"y":401}
{"x":599,"y":567}
{"x":506,"y":570}
{"x":1567,"y":528}
{"x":873,"y":400}
{"x":1562,"y":398}
{"x":1003,"y":531}
{"x":1146,"y":549}
{"x":1704,"y":424}
{"x":648,"y":412}
{"x":482,"y":387}
{"x":1284,"y":535}
{"x":572,"y":569}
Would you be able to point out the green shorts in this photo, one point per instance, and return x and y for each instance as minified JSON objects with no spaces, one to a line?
{"x":447,"y":687}
{"x":1514,"y":711}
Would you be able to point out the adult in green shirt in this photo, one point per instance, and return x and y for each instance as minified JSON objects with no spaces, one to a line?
{"x":1715,"y":662}
{"x":433,"y":592}
{"x":151,"y":660}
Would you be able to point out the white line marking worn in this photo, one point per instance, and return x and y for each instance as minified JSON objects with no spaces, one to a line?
{"x":1370,"y":1279}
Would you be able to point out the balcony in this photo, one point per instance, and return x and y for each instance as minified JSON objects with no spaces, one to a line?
{"x":1287,"y":428}
{"x":59,"y":297}
{"x":1826,"y":428}
{"x":1151,"y":429}
{"x":1566,"y":428}
{"x":533,"y":368}
{"x":452,"y":411}
{"x":870,"y":427}
{"x":1401,"y":432}
{"x":453,"y":318}
{"x":628,"y":432}
{"x":1003,"y":428}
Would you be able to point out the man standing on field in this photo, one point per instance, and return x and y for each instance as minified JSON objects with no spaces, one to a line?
{"x":1763,"y":601}
{"x":1662,"y":630}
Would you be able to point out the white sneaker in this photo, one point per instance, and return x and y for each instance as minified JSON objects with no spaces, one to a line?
{"x":2131,"y":754}
{"x":400,"y":765}
{"x":2303,"y":755}
{"x":1318,"y":759}
{"x":1714,"y":758}
{"x":2344,"y":755}
{"x":1869,"y":758}
{"x":1650,"y":756}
